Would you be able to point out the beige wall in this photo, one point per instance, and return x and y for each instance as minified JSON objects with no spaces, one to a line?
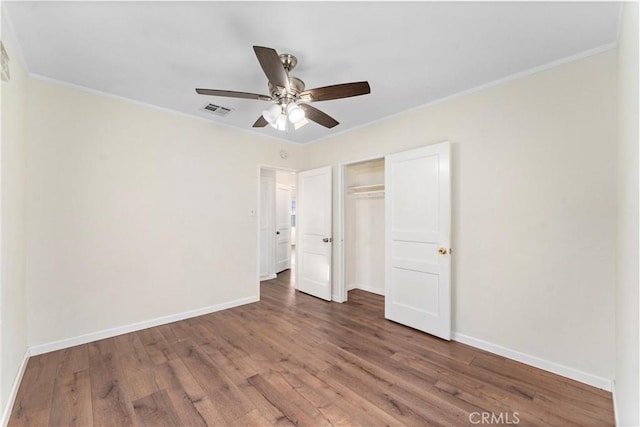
{"x":13,"y":309}
{"x":135,"y":213}
{"x":627,"y":304}
{"x":533,"y":207}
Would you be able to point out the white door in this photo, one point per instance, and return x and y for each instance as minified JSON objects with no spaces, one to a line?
{"x":267,"y":229}
{"x":418,"y":229}
{"x":283,"y":227}
{"x":313,"y":233}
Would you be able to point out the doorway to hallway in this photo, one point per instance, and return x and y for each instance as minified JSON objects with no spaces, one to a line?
{"x":277,"y":222}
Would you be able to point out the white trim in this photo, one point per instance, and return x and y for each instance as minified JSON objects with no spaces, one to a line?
{"x":276,"y":168}
{"x":616,"y":421}
{"x":269,"y":277}
{"x":498,"y":82}
{"x":256,"y":214}
{"x":6,"y":413}
{"x":340,"y":289}
{"x":366,"y":289}
{"x":108,"y":333}
{"x":556,"y":368}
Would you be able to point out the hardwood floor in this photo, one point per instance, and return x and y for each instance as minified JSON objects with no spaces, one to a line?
{"x":294,"y":359}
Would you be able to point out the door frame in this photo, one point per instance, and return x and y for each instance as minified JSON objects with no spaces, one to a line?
{"x":340,"y":293}
{"x":256,"y":214}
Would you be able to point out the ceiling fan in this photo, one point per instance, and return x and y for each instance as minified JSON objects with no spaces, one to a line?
{"x":290,"y":109}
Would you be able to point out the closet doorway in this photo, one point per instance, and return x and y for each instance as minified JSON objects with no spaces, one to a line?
{"x":362,"y":218}
{"x":277,"y":222}
{"x":395,"y":233}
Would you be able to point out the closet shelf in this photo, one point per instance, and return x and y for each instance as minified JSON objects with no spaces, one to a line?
{"x":376,"y":193}
{"x":371,"y":188}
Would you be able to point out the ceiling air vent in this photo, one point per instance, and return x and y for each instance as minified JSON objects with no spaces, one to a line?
{"x":217,"y":110}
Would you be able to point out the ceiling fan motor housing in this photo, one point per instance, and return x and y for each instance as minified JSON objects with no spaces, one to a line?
{"x":296,"y":87}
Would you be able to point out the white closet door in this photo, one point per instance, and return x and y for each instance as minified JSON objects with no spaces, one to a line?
{"x":418,"y":228}
{"x":283,"y":227}
{"x":313,"y":229}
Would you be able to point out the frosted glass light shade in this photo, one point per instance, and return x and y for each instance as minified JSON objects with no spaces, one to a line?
{"x":281,"y":122}
{"x":272,"y":114}
{"x":295,"y":113}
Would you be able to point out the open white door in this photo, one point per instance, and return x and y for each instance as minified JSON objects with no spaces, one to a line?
{"x":283,"y":227}
{"x":313,"y":231}
{"x":418,"y":229}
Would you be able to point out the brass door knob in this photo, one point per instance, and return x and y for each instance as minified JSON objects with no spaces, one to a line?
{"x":442,"y":251}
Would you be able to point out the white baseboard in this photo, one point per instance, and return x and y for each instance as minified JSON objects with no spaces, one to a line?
{"x":372,"y":290}
{"x":365,"y":288}
{"x":108,"y":333}
{"x":616,"y":421}
{"x":6,"y":413}
{"x":556,"y":368}
{"x":269,"y":277}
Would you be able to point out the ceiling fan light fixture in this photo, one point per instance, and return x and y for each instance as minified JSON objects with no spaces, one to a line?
{"x":286,"y":90}
{"x":272,"y":114}
{"x":281,"y":122}
{"x":295,"y":113}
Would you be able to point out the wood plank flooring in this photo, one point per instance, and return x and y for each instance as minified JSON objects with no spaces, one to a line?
{"x":292,"y":359}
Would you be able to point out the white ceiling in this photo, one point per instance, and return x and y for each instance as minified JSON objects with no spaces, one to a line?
{"x":411,"y":53}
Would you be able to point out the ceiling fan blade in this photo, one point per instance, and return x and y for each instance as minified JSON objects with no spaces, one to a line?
{"x":318,"y":116}
{"x":272,"y":66}
{"x":233,"y":94}
{"x":260,"y":123}
{"x":344,"y":90}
